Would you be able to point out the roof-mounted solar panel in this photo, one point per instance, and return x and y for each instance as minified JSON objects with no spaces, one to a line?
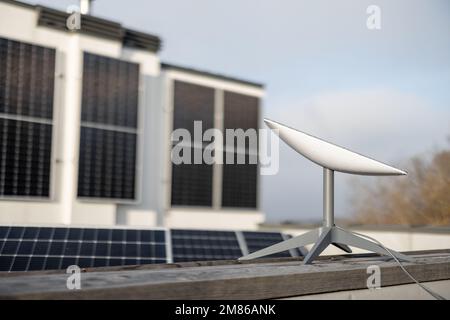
{"x":46,"y":248}
{"x":258,"y":240}
{"x":54,"y":248}
{"x":202,"y":245}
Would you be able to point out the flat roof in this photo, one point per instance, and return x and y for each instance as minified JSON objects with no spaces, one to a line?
{"x":169,"y":66}
{"x":103,"y":28}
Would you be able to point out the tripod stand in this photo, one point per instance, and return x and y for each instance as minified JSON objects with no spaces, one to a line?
{"x":328,"y":155}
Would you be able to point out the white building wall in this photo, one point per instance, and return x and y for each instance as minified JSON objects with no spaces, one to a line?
{"x":214,"y":219}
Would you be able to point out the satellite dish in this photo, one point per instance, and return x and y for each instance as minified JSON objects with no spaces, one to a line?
{"x":332,"y":158}
{"x":329,"y":155}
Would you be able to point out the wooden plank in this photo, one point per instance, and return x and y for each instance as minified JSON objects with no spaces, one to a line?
{"x":260,"y":280}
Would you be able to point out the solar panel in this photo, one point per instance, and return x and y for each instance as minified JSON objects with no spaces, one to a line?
{"x":239,"y":184}
{"x":259,"y":240}
{"x":107,"y":164}
{"x":239,"y":181}
{"x":192,"y":183}
{"x":198,"y":245}
{"x":108,"y":137}
{"x":46,"y":248}
{"x":26,"y":111}
{"x":54,"y":248}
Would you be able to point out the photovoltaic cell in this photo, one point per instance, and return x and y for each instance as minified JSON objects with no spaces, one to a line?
{"x":26,"y":110}
{"x":35,"y":248}
{"x":198,"y":245}
{"x":108,"y":138}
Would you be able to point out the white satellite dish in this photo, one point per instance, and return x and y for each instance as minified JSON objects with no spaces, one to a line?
{"x":332,"y":158}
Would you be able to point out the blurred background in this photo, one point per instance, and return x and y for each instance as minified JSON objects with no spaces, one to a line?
{"x":381,"y":92}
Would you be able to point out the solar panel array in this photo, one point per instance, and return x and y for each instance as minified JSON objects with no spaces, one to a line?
{"x":192,"y":184}
{"x":108,"y":137}
{"x":198,"y":245}
{"x":27,"y":75}
{"x":52,"y":248}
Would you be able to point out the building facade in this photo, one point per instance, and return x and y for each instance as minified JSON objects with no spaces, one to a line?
{"x":86,"y":119}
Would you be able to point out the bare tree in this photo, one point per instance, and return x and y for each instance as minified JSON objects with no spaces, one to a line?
{"x":420,"y":198}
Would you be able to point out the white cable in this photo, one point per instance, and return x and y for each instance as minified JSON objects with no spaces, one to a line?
{"x":431,"y":292}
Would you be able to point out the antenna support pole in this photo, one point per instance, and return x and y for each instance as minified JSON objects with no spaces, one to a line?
{"x":328,"y":197}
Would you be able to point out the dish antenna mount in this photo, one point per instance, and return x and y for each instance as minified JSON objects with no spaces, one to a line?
{"x":332,"y":158}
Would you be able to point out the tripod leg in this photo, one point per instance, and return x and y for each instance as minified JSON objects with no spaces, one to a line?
{"x":298,"y":241}
{"x":347,"y":238}
{"x":343,"y":247}
{"x":323,"y":242}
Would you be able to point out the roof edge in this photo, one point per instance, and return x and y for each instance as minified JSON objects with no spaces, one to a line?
{"x":169,"y":66}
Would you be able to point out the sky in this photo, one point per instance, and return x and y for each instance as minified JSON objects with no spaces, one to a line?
{"x":384,"y":93}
